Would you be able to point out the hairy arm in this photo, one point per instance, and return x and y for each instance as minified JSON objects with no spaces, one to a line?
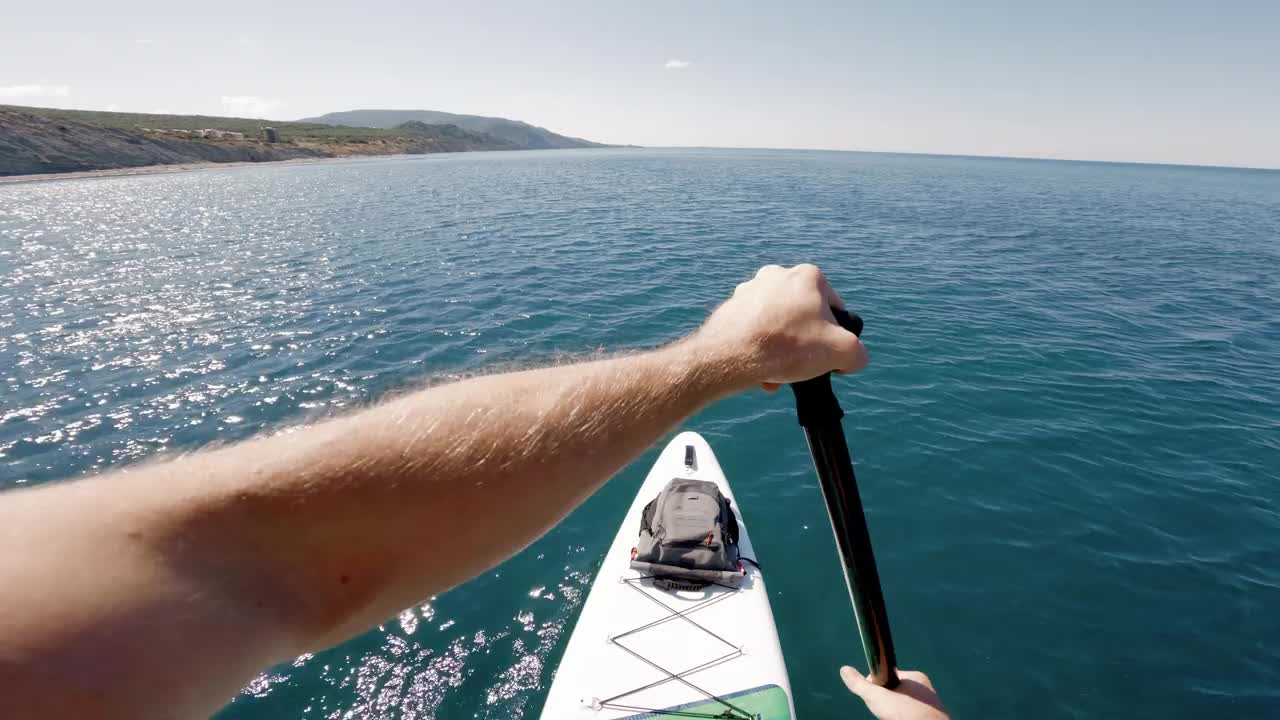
{"x":160,"y":590}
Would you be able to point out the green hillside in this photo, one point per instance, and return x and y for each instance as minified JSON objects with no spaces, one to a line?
{"x":522,"y":134}
{"x":306,"y":132}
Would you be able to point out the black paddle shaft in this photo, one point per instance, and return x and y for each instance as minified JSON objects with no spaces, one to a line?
{"x":819,"y":413}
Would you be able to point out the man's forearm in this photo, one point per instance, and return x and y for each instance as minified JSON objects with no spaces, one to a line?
{"x":352,"y":520}
{"x":263,"y":550}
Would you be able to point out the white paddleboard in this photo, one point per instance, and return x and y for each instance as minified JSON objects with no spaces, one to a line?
{"x":639,"y":651}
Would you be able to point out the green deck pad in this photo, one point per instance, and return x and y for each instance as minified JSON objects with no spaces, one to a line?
{"x":767,"y":702}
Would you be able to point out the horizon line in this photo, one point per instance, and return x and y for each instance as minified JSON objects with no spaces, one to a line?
{"x":953,"y":155}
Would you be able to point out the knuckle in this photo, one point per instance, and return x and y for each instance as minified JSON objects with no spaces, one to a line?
{"x":808,"y":270}
{"x":767,"y":269}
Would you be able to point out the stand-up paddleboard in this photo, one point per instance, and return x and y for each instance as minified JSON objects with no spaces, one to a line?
{"x":641,"y":651}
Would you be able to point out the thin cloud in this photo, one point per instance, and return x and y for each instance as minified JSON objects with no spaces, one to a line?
{"x":113,"y":107}
{"x":144,"y":41}
{"x":10,"y":92}
{"x":249,"y":105}
{"x":677,"y":64}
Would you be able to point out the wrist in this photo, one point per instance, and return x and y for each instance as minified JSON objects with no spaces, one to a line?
{"x":713,"y":364}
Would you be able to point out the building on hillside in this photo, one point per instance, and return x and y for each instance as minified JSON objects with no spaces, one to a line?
{"x":270,"y":134}
{"x":208,"y":134}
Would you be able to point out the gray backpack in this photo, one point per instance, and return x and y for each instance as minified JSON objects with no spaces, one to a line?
{"x":688,"y":537}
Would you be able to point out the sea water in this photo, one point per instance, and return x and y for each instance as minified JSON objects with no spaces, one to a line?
{"x":1068,"y":440}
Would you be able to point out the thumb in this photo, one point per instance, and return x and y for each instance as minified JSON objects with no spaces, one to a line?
{"x":850,"y":353}
{"x":857,"y":684}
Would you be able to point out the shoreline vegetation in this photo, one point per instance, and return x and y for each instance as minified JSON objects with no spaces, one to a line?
{"x":47,"y":143}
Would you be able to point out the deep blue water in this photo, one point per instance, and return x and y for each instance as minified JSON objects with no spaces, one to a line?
{"x":1068,"y":441}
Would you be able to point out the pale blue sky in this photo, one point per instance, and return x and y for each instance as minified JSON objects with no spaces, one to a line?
{"x":1185,"y":82}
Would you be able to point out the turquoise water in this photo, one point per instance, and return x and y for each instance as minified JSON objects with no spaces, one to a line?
{"x":1068,"y":441}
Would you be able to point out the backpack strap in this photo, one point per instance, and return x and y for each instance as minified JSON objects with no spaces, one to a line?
{"x":658,"y":571}
{"x":673,"y":584}
{"x":646,"y":517}
{"x":730,"y":523}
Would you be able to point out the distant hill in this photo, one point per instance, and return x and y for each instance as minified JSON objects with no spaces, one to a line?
{"x":523,"y":135}
{"x":49,"y":140}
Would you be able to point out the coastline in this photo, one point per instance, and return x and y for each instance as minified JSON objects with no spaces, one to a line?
{"x":163,"y":169}
{"x":41,"y":144}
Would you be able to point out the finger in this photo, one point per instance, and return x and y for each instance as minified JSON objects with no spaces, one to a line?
{"x":917,"y":676}
{"x":851,"y":354}
{"x":857,"y":684}
{"x":768,"y":270}
{"x":827,"y":313}
{"x":770,"y":387}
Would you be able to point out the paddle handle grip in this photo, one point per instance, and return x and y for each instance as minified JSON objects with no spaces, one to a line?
{"x":819,"y":412}
{"x":816,"y":402}
{"x":848,"y":320}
